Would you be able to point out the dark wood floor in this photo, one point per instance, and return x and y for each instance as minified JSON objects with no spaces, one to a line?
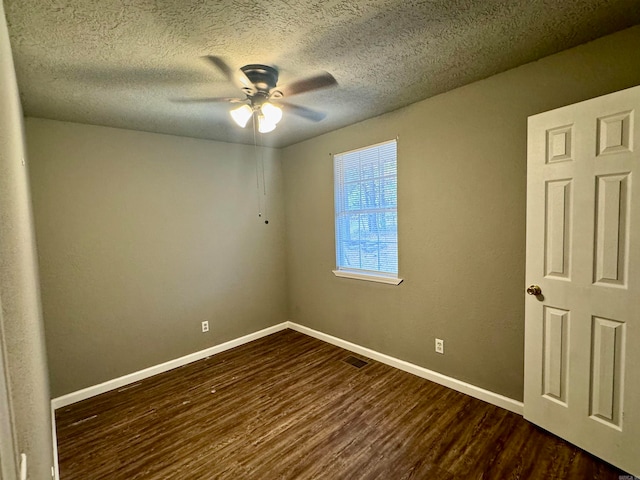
{"x":288,"y":407}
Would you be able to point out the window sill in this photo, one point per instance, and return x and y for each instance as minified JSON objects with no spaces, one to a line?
{"x":369,"y":277}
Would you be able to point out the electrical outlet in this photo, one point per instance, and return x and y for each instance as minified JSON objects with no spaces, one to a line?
{"x":439,"y":345}
{"x":205,"y":326}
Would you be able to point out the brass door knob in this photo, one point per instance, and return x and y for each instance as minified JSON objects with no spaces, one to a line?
{"x":534,"y":290}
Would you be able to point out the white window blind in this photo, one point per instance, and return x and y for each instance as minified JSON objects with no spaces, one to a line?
{"x":366,"y":194}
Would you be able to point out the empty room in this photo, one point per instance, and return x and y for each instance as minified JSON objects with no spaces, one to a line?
{"x":343,"y":239}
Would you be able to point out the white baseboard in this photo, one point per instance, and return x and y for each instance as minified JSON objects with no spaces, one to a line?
{"x":119,"y":382}
{"x":458,"y":385}
{"x":463,"y":387}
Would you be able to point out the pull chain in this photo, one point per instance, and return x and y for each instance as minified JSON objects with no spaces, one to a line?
{"x":260,"y":171}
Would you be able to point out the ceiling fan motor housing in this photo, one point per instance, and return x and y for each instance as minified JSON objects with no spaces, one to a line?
{"x":263,"y":77}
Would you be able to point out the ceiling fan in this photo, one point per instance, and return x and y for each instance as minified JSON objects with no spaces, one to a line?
{"x":263,"y":97}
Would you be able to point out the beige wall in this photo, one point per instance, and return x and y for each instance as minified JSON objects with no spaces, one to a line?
{"x":143,"y":236}
{"x":462,"y":172}
{"x":24,"y":372}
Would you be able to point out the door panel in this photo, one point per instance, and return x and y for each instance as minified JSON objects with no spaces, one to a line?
{"x":557,"y":226}
{"x":606,"y":372}
{"x":612,"y":205}
{"x":556,"y":325}
{"x":582,"y":366}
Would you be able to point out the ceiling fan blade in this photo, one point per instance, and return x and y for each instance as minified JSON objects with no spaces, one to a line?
{"x":238,"y":78}
{"x":304,"y":112}
{"x":208,"y":100}
{"x":316,"y":82}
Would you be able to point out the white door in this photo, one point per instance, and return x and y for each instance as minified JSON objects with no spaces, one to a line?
{"x":582,"y":333}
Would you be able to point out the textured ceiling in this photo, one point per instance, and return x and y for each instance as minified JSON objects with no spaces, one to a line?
{"x":120,"y":62}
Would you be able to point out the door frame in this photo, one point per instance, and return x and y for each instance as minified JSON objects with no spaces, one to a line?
{"x":8,"y":450}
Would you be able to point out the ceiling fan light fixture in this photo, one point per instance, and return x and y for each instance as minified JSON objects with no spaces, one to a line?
{"x":241,"y":115}
{"x":264,"y":125}
{"x":272,"y":113}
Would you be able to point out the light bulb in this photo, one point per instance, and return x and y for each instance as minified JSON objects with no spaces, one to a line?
{"x":241,"y":115}
{"x":264,"y":125}
{"x":272,"y":113}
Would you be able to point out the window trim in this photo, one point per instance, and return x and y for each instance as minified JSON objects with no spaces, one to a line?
{"x":368,"y":276}
{"x":359,"y":274}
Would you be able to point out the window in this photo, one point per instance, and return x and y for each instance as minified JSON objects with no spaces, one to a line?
{"x":366,"y":193}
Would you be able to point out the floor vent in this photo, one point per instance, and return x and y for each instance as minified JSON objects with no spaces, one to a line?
{"x":356,"y":362}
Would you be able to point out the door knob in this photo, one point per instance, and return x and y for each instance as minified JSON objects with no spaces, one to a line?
{"x":534,"y":290}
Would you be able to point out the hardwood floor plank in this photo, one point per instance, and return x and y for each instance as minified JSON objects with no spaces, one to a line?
{"x":288,"y":407}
